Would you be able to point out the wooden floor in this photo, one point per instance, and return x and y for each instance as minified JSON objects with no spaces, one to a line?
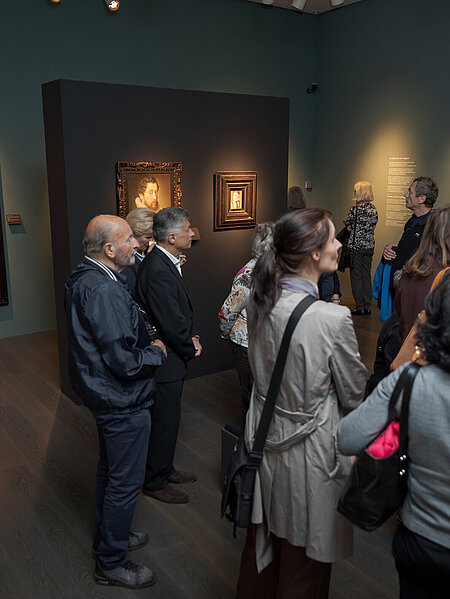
{"x":48,"y":452}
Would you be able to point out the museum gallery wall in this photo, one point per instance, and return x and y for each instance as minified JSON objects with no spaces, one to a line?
{"x":90,"y":127}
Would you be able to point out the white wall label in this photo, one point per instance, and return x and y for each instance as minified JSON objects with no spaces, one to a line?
{"x":401,"y":171}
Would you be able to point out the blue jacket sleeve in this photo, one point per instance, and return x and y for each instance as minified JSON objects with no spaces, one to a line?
{"x":114,"y":326}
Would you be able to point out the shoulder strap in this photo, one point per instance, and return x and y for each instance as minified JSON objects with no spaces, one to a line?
{"x":405,"y":385}
{"x":275,"y":382}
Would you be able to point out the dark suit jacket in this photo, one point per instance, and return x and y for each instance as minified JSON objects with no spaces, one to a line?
{"x":161,"y":292}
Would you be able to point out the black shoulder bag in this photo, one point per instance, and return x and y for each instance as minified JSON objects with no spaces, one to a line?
{"x":239,"y":483}
{"x":377,"y":487}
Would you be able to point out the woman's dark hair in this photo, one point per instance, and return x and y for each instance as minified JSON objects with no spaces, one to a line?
{"x":434,"y":246}
{"x":296,"y":198}
{"x":434,"y":334}
{"x":296,"y":235}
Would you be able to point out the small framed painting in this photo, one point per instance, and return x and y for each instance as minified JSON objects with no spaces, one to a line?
{"x":235,"y":200}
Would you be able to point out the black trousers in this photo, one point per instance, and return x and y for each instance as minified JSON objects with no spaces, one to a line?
{"x":123,"y":440}
{"x":291,"y":575}
{"x":361,"y":280}
{"x":423,"y":566}
{"x":165,"y":413}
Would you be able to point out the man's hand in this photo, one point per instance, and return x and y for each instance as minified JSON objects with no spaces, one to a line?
{"x":160,"y":344}
{"x":389,"y":253}
{"x":198,"y":346}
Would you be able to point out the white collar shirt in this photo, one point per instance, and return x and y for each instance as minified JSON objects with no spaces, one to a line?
{"x":175,"y":261}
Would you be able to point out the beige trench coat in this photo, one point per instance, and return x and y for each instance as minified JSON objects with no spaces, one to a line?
{"x":302,"y":473}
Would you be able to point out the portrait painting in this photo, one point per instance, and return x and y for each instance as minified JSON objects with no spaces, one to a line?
{"x":153,"y":185}
{"x":235,"y":200}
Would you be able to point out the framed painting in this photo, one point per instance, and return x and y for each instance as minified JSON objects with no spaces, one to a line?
{"x":3,"y":280}
{"x":235,"y":200}
{"x":153,"y":185}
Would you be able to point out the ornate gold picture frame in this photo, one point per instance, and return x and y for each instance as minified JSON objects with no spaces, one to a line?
{"x":235,"y":200}
{"x":154,"y":185}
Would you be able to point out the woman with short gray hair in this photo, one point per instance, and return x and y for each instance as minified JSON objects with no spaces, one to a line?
{"x":233,"y":316}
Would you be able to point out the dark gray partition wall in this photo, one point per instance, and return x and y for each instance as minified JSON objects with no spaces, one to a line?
{"x":91,"y":126}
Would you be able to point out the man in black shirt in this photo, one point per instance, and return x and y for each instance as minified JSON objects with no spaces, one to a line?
{"x":420,"y":198}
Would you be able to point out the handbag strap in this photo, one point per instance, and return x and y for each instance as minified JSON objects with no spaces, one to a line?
{"x":405,"y":385}
{"x":256,"y":453}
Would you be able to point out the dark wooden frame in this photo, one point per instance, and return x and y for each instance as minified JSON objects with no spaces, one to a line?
{"x":124,"y":169}
{"x":3,"y":281}
{"x":226,"y":183}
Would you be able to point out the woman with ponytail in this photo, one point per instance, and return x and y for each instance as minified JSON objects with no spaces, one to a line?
{"x":296,"y":531}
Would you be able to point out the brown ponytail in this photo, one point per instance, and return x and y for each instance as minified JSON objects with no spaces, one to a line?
{"x":296,"y":235}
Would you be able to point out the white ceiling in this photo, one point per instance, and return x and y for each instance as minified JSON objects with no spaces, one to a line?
{"x":312,"y":6}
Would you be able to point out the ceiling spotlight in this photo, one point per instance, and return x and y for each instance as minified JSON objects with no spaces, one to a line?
{"x":112,"y":5}
{"x":55,"y":1}
{"x":336,"y":2}
{"x":267,"y":2}
{"x":298,"y":4}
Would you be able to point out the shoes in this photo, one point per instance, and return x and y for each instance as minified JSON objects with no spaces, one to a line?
{"x":136,"y":540}
{"x":179,"y":477}
{"x":168,"y":495}
{"x":129,"y":575}
{"x":363,"y":312}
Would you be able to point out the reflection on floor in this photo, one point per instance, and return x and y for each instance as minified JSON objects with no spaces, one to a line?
{"x":48,"y":450}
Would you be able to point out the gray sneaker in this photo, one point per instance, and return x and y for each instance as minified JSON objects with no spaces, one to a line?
{"x":129,"y":575}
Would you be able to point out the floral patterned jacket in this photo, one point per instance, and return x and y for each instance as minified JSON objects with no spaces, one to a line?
{"x":233,"y":315}
{"x":363,"y":219}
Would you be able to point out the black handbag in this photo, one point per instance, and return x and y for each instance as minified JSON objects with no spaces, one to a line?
{"x":239,"y":482}
{"x":377,"y":487}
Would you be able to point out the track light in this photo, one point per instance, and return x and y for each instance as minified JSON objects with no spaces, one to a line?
{"x":298,"y":4}
{"x":336,"y":2}
{"x":112,"y":5}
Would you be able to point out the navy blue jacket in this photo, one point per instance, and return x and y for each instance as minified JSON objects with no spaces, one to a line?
{"x":111,"y":364}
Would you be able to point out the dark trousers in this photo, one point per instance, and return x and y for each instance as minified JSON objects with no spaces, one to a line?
{"x":423,"y":566}
{"x":166,"y":413}
{"x":245,"y":375}
{"x":123,"y":440}
{"x":291,"y":575}
{"x":361,"y":280}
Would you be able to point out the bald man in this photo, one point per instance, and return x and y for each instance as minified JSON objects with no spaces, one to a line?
{"x":112,"y":363}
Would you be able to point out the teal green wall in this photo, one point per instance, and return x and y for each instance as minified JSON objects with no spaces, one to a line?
{"x":214,"y":45}
{"x":381,"y":65}
{"x":384,"y":90}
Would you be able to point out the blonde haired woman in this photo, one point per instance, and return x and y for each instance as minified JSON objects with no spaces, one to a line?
{"x":361,"y":222}
{"x":141,"y":223}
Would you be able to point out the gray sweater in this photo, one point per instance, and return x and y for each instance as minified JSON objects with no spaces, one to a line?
{"x":426,"y":510}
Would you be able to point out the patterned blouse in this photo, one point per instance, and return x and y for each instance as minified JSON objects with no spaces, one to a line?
{"x":364,"y":218}
{"x":233,"y":315}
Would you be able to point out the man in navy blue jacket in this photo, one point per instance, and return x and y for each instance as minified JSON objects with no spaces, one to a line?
{"x":112,"y":363}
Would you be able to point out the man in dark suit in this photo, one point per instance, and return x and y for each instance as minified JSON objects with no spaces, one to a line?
{"x":161,"y":291}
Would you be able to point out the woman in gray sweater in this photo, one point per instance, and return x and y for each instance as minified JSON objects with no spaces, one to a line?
{"x":421,"y":545}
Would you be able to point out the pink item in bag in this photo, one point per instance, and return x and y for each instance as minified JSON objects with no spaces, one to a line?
{"x":387,"y":443}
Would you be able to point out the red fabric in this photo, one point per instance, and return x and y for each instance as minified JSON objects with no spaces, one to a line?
{"x":387,"y":442}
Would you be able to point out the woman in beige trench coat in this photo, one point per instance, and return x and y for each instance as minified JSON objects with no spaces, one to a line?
{"x":296,"y":531}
